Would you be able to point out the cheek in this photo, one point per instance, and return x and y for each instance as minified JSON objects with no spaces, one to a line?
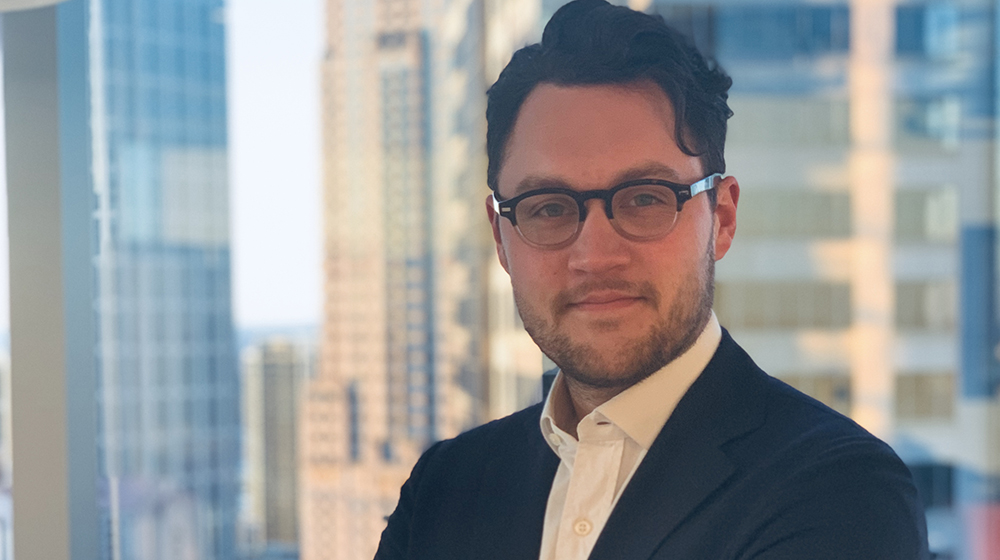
{"x":534,"y":274}
{"x":674,"y":265}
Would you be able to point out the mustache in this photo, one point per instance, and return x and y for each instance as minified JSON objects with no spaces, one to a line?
{"x":643,"y":290}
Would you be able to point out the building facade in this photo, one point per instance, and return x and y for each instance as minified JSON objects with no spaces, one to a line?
{"x":274,"y":374}
{"x":403,"y":353}
{"x":168,"y":392}
{"x":863,"y":273}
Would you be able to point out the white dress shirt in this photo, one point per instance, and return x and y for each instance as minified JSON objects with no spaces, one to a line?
{"x":613,"y":440}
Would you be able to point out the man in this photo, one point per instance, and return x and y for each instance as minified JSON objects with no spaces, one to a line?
{"x":659,"y":438}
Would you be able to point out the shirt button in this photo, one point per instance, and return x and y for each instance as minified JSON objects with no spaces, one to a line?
{"x":582,"y":527}
{"x":555,"y":440}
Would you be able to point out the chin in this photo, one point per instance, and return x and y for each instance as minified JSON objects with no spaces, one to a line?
{"x":620,"y":379}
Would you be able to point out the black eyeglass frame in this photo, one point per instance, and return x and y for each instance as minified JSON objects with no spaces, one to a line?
{"x":683,"y":193}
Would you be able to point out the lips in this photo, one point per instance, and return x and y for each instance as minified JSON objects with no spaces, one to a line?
{"x":607,"y":295}
{"x":605,"y":298}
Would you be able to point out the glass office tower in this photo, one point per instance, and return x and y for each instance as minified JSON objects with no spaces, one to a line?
{"x":168,"y":388}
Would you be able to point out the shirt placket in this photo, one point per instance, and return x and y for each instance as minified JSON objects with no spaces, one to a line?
{"x":590,"y":494}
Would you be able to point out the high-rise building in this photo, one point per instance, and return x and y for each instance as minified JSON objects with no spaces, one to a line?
{"x":274,"y":374}
{"x":515,"y":362}
{"x":168,"y":392}
{"x":863,"y":269}
{"x":403,"y":354}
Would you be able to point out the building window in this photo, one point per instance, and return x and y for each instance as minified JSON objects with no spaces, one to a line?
{"x":353,"y":421}
{"x":928,"y":123}
{"x":789,"y":121}
{"x":788,"y":213}
{"x":784,"y":305}
{"x":926,"y":215}
{"x":926,"y":305}
{"x":926,"y":30}
{"x":925,"y":396}
{"x":781,"y":32}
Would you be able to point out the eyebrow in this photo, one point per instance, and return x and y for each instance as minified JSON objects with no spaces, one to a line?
{"x":649,"y":170}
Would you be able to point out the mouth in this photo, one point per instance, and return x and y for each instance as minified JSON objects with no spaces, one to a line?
{"x":610,"y":297}
{"x":605,"y":301}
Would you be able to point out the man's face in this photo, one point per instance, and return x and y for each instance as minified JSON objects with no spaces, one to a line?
{"x":608,"y":310}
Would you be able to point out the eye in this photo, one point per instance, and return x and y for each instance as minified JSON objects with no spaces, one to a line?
{"x":551,"y":210}
{"x":646,"y":199}
{"x":548,"y":207}
{"x":646,"y":196}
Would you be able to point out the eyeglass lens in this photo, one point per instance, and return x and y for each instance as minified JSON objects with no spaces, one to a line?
{"x":639,"y":212}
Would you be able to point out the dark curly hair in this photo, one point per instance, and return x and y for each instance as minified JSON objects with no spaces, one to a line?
{"x":591,"y":42}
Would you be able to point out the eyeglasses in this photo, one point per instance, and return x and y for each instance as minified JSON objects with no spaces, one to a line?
{"x":640,"y":210}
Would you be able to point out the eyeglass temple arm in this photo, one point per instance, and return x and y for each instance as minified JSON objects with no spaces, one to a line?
{"x":706,"y":184}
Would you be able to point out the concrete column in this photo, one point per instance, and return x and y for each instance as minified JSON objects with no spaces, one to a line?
{"x":871,"y":183}
{"x":54,"y":444}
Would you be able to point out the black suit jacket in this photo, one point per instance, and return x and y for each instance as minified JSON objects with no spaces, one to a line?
{"x":746,"y":467}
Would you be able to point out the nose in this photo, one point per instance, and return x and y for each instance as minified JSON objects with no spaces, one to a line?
{"x":598,"y":247}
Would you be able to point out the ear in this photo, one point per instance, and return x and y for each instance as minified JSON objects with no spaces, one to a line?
{"x":495,"y":224}
{"x":728,"y":197}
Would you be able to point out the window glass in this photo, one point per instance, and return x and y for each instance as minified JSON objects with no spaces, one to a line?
{"x":296,"y":292}
{"x":795,"y":214}
{"x":777,"y":305}
{"x":925,"y":396}
{"x":780,"y":32}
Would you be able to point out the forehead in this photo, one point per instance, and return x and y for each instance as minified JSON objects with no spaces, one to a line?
{"x":589,"y":136}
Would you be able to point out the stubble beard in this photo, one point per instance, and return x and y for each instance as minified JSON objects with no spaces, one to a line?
{"x":671,"y":336}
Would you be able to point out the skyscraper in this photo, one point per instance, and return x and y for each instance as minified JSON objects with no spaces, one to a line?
{"x":403,"y":360}
{"x":168,"y":388}
{"x":274,"y":374}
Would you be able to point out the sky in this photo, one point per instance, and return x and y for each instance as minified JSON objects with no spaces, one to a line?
{"x":274,"y":52}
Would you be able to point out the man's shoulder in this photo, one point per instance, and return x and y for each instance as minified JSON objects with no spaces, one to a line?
{"x":776,"y":405}
{"x":802,"y":426}
{"x":798,"y":467}
{"x":769,"y":426}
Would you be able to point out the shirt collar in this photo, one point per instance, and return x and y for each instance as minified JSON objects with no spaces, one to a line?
{"x":642,"y":410}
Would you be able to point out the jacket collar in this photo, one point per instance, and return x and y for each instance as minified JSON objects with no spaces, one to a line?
{"x":686,"y":463}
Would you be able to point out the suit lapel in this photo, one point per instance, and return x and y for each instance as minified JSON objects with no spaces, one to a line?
{"x":685,"y":464}
{"x":514,"y":494}
{"x":658,"y":499}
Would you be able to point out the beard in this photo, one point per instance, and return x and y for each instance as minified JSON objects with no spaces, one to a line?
{"x":677,"y":330}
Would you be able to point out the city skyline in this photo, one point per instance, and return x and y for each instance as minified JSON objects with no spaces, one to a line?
{"x":857,"y":263}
